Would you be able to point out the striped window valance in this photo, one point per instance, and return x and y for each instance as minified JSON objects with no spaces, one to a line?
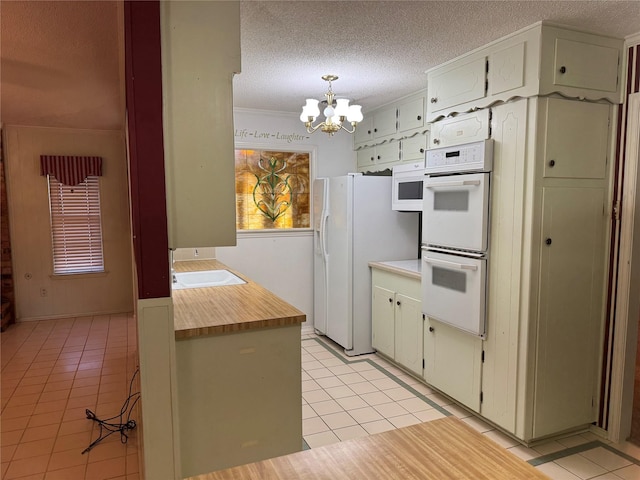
{"x":70,"y":170}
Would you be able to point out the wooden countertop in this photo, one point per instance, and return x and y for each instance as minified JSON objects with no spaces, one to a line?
{"x":440,"y":450}
{"x":229,"y":308}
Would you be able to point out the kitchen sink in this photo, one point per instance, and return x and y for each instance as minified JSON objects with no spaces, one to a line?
{"x":205,"y":278}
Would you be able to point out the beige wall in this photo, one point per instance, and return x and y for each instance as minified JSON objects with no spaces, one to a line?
{"x":30,"y":226}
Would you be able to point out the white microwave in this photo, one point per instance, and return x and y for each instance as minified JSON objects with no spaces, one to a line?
{"x":407,"y":187}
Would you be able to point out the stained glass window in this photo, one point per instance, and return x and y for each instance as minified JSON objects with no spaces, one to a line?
{"x":272,"y":189}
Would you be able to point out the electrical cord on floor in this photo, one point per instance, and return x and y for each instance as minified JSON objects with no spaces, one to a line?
{"x":108,"y":427}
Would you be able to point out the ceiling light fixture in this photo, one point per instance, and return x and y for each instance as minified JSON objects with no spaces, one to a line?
{"x":336,"y":112}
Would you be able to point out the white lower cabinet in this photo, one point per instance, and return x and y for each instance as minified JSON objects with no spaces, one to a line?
{"x":397,"y":318}
{"x":453,"y":362}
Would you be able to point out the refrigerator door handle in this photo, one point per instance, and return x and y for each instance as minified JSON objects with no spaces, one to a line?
{"x":323,"y":236}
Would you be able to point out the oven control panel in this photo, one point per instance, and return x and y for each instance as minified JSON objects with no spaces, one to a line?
{"x":469,"y":157}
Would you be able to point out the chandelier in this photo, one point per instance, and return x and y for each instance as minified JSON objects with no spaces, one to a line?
{"x":337,"y":112}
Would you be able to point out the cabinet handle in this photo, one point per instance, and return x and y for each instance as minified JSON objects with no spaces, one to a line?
{"x":419,"y":117}
{"x":563,"y":69}
{"x":436,"y":141}
{"x":552,"y":163}
{"x":434,"y":99}
{"x":548,"y":241}
{"x":422,"y":150}
{"x":398,"y":303}
{"x":431,"y":329}
{"x":391,"y":300}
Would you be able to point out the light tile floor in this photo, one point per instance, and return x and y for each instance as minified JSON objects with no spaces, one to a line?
{"x":52,"y":370}
{"x":349,"y":397}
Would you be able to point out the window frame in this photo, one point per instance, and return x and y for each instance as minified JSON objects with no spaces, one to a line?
{"x":312,"y":151}
{"x":89,"y":259}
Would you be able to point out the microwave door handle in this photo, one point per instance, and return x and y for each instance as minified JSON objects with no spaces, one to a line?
{"x":444,"y":263}
{"x":454,"y":183}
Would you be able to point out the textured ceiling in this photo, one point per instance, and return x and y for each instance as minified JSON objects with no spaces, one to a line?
{"x":62,"y":61}
{"x":380,"y":50}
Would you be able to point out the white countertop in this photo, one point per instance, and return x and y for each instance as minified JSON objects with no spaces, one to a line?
{"x":410,"y":268}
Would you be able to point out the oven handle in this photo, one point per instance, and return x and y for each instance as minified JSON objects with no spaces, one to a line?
{"x":444,"y":263}
{"x":458,"y":183}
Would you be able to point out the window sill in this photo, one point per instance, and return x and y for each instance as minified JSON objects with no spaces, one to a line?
{"x":78,"y":276}
{"x":276,"y":232}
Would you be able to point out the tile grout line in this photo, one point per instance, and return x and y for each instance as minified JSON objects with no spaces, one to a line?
{"x":534,"y":462}
{"x":402,"y":384}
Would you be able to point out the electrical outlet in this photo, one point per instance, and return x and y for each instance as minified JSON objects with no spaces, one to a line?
{"x":43,"y":292}
{"x":195,"y":252}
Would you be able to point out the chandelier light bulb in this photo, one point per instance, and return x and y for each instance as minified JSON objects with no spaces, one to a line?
{"x":342,"y":107}
{"x":312,"y":108}
{"x":355,"y":114}
{"x":329,"y":112}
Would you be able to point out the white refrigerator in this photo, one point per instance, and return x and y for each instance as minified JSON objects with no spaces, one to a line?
{"x":354,"y":225}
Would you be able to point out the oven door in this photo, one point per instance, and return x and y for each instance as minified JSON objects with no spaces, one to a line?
{"x":454,"y":290}
{"x":456,"y":211}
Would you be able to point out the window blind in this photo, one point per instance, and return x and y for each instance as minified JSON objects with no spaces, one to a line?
{"x":76,"y":226}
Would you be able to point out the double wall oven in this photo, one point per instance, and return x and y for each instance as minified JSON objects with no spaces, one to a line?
{"x":455,"y":235}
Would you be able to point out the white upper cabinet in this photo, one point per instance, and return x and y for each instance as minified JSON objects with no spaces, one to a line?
{"x":364,"y":131}
{"x":467,"y":128}
{"x":539,"y":60}
{"x":385,"y":122}
{"x":460,"y":83}
{"x":200,"y":54}
{"x":581,"y":65}
{"x":411,"y":114}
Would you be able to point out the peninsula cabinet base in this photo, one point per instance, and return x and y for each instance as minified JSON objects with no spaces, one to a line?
{"x":238,"y":398}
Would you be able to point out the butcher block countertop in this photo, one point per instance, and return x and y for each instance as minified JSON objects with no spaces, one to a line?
{"x":229,"y":308}
{"x":443,"y":449}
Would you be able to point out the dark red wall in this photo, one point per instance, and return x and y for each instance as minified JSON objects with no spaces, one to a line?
{"x":143,"y":70}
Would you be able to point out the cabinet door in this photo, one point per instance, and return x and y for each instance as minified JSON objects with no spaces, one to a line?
{"x":570,"y":308}
{"x":460,"y":84}
{"x":408,"y":328}
{"x":411,"y":114}
{"x":382,"y":318}
{"x":467,"y":128}
{"x":388,"y":153}
{"x":577,"y":135}
{"x":584,"y":65}
{"x":414,"y":148}
{"x":506,"y":69}
{"x":385,"y":122}
{"x":364,"y":131}
{"x":453,"y":362}
{"x":366,"y":158}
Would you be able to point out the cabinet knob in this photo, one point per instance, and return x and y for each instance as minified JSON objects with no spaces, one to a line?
{"x":548,"y":241}
{"x":552,"y":163}
{"x":375,"y":129}
{"x":378,"y":157}
{"x":563,"y":69}
{"x":391,"y":300}
{"x":398,"y":303}
{"x":431,"y":329}
{"x":369,"y":132}
{"x":436,"y":141}
{"x":422,"y":150}
{"x":433,"y":100}
{"x":419,"y":117}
